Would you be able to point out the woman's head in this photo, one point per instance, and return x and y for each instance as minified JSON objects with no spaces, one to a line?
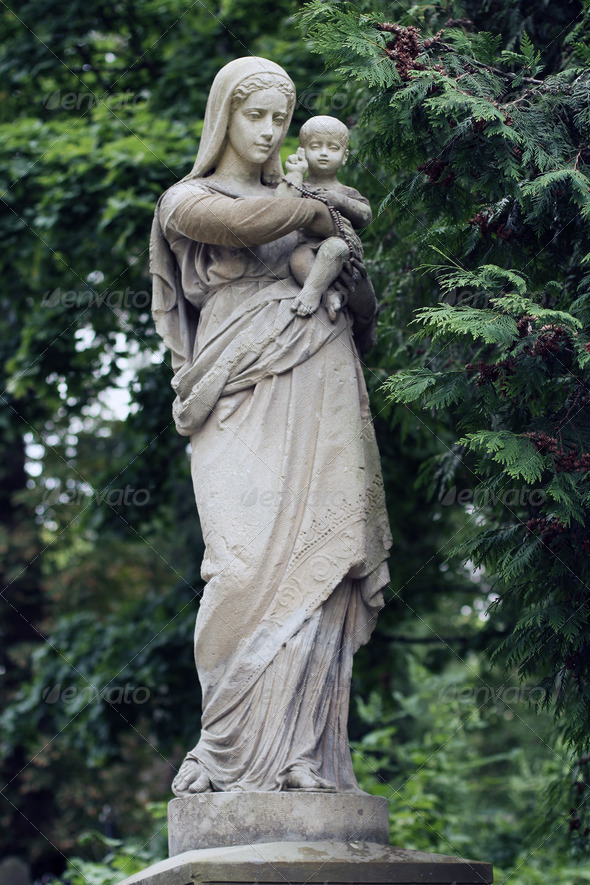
{"x":259,"y":109}
{"x":250,"y":103}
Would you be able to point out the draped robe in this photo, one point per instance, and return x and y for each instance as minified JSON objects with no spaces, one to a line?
{"x":287,"y":483}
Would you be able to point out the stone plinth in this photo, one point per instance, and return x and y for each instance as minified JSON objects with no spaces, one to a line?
{"x":329,"y":863}
{"x":211,"y":820}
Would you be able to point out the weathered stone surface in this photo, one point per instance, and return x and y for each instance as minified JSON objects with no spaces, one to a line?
{"x":284,"y":459}
{"x":319,"y":862}
{"x":210,"y":820}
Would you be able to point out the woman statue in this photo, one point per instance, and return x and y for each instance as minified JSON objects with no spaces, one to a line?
{"x":284,"y":461}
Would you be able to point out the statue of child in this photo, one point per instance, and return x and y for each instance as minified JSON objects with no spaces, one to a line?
{"x":316,"y":264}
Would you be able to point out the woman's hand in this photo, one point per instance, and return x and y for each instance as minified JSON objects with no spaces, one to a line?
{"x":333,"y":197}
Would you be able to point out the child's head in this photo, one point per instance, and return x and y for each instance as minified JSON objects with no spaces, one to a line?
{"x":325,"y":142}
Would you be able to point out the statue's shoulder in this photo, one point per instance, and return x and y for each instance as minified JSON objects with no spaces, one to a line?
{"x":179,"y":197}
{"x":186,"y":187}
{"x":190,"y":189}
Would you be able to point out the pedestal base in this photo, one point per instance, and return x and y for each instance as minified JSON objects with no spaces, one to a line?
{"x":329,"y":863}
{"x":211,"y":820}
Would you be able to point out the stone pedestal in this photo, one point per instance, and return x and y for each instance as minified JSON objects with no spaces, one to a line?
{"x":212,"y":820}
{"x":295,"y":839}
{"x":299,"y":863}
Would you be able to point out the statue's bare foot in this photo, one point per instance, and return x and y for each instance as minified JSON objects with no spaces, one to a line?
{"x":333,"y":304}
{"x":306,"y":303}
{"x":303,"y":779}
{"x":191,"y":778}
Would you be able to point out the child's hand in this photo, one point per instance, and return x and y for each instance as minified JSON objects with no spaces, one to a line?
{"x":297,"y":163}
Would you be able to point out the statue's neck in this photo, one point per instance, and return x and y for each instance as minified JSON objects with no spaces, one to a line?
{"x":237,"y":173}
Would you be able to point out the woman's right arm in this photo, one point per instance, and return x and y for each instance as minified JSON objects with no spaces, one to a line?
{"x":239,"y":221}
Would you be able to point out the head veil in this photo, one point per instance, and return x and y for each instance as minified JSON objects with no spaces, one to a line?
{"x":218,"y":111}
{"x":175,"y":319}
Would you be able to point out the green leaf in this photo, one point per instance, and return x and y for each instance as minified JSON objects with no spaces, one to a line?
{"x":516,"y":454}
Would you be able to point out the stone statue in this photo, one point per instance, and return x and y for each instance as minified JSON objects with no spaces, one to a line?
{"x":284,"y":461}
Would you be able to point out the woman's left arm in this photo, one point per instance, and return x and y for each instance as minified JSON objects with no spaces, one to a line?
{"x":241,"y":221}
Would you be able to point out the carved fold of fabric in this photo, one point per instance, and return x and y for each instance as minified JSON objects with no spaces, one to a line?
{"x":288,"y":488}
{"x":264,"y":338}
{"x":290,"y":509}
{"x":295,"y":716}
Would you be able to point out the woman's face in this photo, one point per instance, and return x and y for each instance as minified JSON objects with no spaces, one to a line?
{"x":256,"y":125}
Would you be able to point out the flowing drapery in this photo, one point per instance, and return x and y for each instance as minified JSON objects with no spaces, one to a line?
{"x":287,"y":482}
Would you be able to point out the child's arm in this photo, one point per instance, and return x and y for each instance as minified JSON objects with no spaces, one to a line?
{"x":296,"y":168}
{"x":358,"y":211}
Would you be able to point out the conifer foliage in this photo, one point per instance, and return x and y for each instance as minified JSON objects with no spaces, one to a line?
{"x":482,"y":139}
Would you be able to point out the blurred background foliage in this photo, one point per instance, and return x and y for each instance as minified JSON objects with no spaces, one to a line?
{"x":101,"y":108}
